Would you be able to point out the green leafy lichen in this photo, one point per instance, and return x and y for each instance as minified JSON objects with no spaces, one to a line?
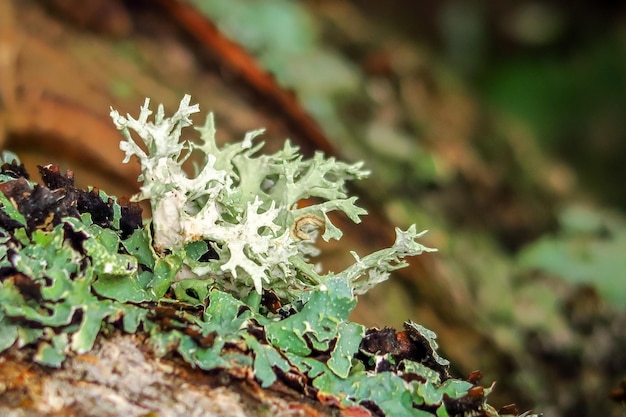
{"x":197,"y":277}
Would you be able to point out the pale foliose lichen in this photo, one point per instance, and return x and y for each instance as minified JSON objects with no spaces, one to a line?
{"x":245,"y":206}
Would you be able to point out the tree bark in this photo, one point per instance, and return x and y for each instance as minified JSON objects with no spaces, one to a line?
{"x":120,"y":377}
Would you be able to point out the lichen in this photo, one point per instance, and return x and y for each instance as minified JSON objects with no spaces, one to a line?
{"x":222,"y":275}
{"x":246,"y":206}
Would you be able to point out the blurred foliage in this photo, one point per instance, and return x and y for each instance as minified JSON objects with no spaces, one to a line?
{"x":588,"y":249}
{"x":286,"y":41}
{"x":575,"y":106}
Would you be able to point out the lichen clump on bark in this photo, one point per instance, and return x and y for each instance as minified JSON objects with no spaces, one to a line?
{"x":222,"y":274}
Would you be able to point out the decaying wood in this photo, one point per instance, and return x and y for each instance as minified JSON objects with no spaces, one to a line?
{"x":120,"y":377}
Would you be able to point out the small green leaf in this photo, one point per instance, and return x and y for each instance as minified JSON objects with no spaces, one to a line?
{"x":94,"y":312}
{"x":225,"y":314}
{"x":8,"y":208}
{"x":139,"y":245}
{"x":58,"y":314}
{"x":194,"y":250}
{"x":117,"y":210}
{"x":122,"y":288}
{"x":21,"y":236}
{"x":349,"y":337}
{"x":109,"y":263}
{"x":265,"y":359}
{"x":319,"y":319}
{"x":428,"y":393}
{"x":28,"y":335}
{"x":101,"y":246}
{"x":165,"y":270}
{"x":163,"y":343}
{"x":133,"y":317}
{"x":8,"y":333}
{"x":454,"y":388}
{"x":421,"y":333}
{"x":411,"y":367}
{"x":204,"y":357}
{"x":106,"y":237}
{"x":52,"y":354}
{"x":442,"y":412}
{"x":192,"y":291}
